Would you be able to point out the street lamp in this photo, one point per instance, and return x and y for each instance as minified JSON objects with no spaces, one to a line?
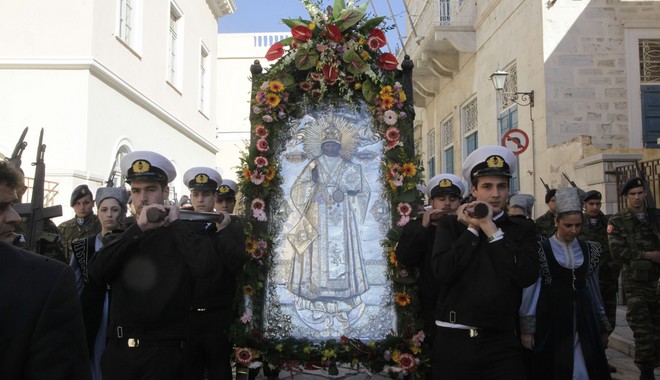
{"x":521,"y":98}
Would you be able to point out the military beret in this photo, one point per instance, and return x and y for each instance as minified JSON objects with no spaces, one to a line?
{"x":490,"y":160}
{"x":202,"y":178}
{"x":631,"y":184}
{"x":79,"y":192}
{"x":227,"y":189}
{"x":103,"y":193}
{"x":147,"y":165}
{"x":445,"y":184}
{"x":567,"y":199}
{"x":593,"y":195}
{"x":549,"y":194}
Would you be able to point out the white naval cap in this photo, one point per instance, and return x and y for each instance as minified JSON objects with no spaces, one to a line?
{"x":421,"y":188}
{"x":446,"y":184}
{"x":568,"y":199}
{"x":490,"y":160}
{"x":202,"y":178}
{"x":147,"y":165}
{"x":227,"y":189}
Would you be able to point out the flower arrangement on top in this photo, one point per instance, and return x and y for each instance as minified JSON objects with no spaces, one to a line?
{"x":333,"y":57}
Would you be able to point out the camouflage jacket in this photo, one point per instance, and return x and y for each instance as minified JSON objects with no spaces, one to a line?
{"x":545,"y":224}
{"x":50,"y":241}
{"x":596,"y":230}
{"x":70,"y":231}
{"x":629,"y":238}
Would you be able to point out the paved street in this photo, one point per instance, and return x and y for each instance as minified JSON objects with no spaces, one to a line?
{"x":622,"y":349}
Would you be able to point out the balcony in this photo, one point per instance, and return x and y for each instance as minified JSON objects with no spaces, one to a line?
{"x":442,"y":30}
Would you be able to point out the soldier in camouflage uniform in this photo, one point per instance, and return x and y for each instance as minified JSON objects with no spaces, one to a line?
{"x":84,"y":224}
{"x":636,"y":246}
{"x":545,"y":224}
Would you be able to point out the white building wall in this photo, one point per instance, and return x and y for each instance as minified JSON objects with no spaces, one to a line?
{"x":66,"y":70}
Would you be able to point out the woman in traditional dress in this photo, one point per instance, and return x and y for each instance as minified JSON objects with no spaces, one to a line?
{"x":562,"y":316}
{"x":111,"y":207}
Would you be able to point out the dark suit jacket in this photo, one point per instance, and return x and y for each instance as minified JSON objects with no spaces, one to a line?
{"x":41,"y":328}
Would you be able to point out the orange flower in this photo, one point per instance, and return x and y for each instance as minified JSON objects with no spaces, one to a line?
{"x":276,"y":86}
{"x":273,"y":100}
{"x":408,"y":169}
{"x":402,"y":299}
{"x":393,"y":259}
{"x":246,"y":173}
{"x":386,"y":102}
{"x":250,"y":246}
{"x":270,"y":173}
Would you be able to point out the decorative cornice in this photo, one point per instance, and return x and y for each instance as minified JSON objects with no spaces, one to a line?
{"x":221,"y":8}
{"x":98,"y":70}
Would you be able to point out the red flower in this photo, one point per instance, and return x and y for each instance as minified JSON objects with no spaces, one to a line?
{"x":262,"y":145}
{"x":392,"y":134}
{"x":333,"y":33}
{"x":316,"y":76}
{"x":379,"y":36}
{"x":301,"y":32}
{"x":261,"y":131}
{"x":406,"y":361}
{"x":275,"y":51}
{"x":387,"y":61}
{"x":306,"y":86}
{"x":373,"y":43}
{"x":243,"y":355}
{"x":261,"y":161}
{"x":330,"y":73}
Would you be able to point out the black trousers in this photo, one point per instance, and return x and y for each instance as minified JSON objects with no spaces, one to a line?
{"x":491,"y":355}
{"x":208,"y":347}
{"x":151,"y":360}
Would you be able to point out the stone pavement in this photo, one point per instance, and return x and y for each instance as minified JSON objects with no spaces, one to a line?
{"x":620,"y":354}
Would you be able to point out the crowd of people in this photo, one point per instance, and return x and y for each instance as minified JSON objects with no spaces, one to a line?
{"x":150,"y":295}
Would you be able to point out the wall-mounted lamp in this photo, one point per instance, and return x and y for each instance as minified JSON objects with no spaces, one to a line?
{"x":520,"y":98}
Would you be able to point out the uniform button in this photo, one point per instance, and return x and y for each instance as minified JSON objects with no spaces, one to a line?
{"x":474,"y":243}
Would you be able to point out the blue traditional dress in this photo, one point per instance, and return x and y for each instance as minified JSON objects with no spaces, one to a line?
{"x":565,"y":312}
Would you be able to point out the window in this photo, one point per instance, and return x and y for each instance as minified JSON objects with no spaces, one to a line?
{"x":445,"y":12}
{"x":129,"y":23}
{"x":448,"y":144}
{"x":174,"y":45}
{"x":649,"y":60}
{"x":431,"y":153}
{"x":507,"y":121}
{"x":469,"y":118}
{"x":204,"y":80}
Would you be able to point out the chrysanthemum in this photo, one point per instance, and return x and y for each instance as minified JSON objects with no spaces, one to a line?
{"x":392,"y":134}
{"x":408,"y":169}
{"x":390,"y":117}
{"x":261,"y":161}
{"x":276,"y":86}
{"x":272,"y":99}
{"x":406,"y":361}
{"x":386,"y":102}
{"x":262,"y":145}
{"x":243,"y":355}
{"x":261,"y":131}
{"x":402,"y":299}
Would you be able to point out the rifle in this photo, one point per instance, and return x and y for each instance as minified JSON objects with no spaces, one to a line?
{"x":569,"y":180}
{"x":649,"y":200}
{"x":18,"y":150}
{"x":111,"y":177}
{"x":35,"y":222}
{"x":547,"y":188}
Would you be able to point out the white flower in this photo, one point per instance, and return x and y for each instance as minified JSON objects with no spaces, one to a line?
{"x":390,"y":117}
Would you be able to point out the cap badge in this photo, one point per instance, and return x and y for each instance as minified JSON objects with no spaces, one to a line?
{"x":141,"y":166}
{"x":201,"y":178}
{"x":224,"y":189}
{"x":495,"y":162}
{"x":445,"y":183}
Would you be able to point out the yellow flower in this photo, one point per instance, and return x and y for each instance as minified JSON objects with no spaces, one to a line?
{"x":358,"y":86}
{"x":279,"y":347}
{"x":364,"y":55}
{"x":276,"y":86}
{"x":415,"y":349}
{"x":362,"y":41}
{"x":246,"y":173}
{"x":329,"y":354}
{"x":372,"y":344}
{"x":250,"y":246}
{"x":387,"y":90}
{"x":402,"y":96}
{"x":311,"y":26}
{"x":402,"y":298}
{"x":307,"y":349}
{"x":395,"y":355}
{"x":273,"y":100}
{"x":248,"y":290}
{"x":270,"y":173}
{"x":408,"y":169}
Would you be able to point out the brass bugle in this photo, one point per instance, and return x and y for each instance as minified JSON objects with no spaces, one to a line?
{"x":155,"y":215}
